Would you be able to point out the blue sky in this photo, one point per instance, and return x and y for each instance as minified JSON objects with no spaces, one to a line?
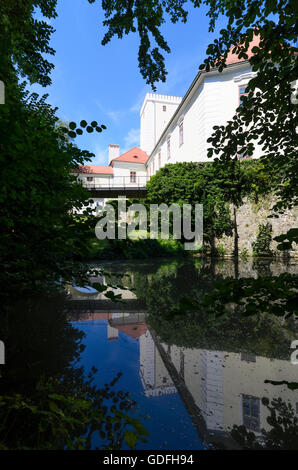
{"x":103,"y":83}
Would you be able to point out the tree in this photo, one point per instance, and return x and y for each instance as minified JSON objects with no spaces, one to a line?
{"x":24,"y":40}
{"x":40,"y":238}
{"x":212,"y":185}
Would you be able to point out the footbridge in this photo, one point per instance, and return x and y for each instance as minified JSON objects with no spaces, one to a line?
{"x":128,"y":186}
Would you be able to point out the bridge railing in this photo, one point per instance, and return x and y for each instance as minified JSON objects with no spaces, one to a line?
{"x":118,"y":182}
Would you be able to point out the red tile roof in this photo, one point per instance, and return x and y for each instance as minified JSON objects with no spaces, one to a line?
{"x":233,"y":58}
{"x":134,"y":331}
{"x":106,"y":170}
{"x":134,"y":155}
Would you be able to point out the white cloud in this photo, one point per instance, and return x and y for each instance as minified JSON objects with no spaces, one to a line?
{"x":132,"y":139}
{"x":116,"y":115}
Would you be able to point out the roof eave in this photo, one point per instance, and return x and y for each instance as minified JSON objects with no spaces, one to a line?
{"x":197,"y":80}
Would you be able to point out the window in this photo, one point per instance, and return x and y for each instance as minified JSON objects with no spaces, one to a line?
{"x":248,"y":357}
{"x":164,"y":108}
{"x":169,"y":147}
{"x":159,"y":160}
{"x":242,"y":92}
{"x":89,"y":178}
{"x":153,"y":167}
{"x":181,"y":132}
{"x":251,"y":412}
{"x":133,"y":176}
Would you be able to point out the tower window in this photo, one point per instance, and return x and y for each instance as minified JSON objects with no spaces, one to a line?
{"x":164,"y":108}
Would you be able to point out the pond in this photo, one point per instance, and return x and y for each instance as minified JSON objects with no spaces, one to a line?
{"x":198,"y":381}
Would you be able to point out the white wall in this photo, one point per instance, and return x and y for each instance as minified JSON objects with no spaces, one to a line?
{"x":212,"y":101}
{"x":218,"y":380}
{"x":154,"y":119}
{"x":123,"y":169}
{"x":98,"y":179}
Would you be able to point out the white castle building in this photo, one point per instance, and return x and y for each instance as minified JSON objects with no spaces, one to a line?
{"x":175,"y":129}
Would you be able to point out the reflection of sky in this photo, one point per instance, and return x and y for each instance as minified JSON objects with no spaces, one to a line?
{"x":164,"y":416}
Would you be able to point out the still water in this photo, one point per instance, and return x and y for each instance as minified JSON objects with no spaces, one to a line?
{"x":198,"y":381}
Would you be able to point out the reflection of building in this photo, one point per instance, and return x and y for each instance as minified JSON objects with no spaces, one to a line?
{"x":154,"y":375}
{"x":132,"y":325}
{"x":228,"y":387}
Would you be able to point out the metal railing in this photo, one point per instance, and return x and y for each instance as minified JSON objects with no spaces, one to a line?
{"x":118,"y":182}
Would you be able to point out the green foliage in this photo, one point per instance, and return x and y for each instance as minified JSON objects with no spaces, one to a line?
{"x":286,"y":240}
{"x":40,"y":238}
{"x":244,"y":254}
{"x":194,"y":183}
{"x":189,"y":308}
{"x":283,"y":432}
{"x":24,"y":40}
{"x":221,"y":250}
{"x":48,"y":420}
{"x":215,"y":185}
{"x":261,"y":247}
{"x":47,"y":401}
{"x":134,"y":249}
{"x":276,"y":295}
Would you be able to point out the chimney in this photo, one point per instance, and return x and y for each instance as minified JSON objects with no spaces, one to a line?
{"x":113,"y":151}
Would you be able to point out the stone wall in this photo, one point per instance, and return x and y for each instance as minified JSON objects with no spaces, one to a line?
{"x":249,"y":217}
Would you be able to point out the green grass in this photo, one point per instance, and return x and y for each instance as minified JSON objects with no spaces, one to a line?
{"x":138,"y":247}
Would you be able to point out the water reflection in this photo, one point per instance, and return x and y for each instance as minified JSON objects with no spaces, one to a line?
{"x":216,"y":369}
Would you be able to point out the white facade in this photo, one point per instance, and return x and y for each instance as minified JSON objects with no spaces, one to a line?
{"x":155,"y":114}
{"x":123,"y":176}
{"x":211,"y":100}
{"x":175,"y":129}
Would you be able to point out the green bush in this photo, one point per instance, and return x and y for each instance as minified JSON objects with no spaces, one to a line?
{"x":261,"y":247}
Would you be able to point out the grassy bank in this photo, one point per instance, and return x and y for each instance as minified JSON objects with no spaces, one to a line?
{"x":137,"y":248}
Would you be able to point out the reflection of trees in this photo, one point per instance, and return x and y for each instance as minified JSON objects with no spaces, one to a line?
{"x":283,"y":434}
{"x":262,"y":266}
{"x":175,"y":298}
{"x":47,"y":401}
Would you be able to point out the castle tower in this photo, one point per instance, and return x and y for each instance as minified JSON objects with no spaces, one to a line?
{"x":155,"y":114}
